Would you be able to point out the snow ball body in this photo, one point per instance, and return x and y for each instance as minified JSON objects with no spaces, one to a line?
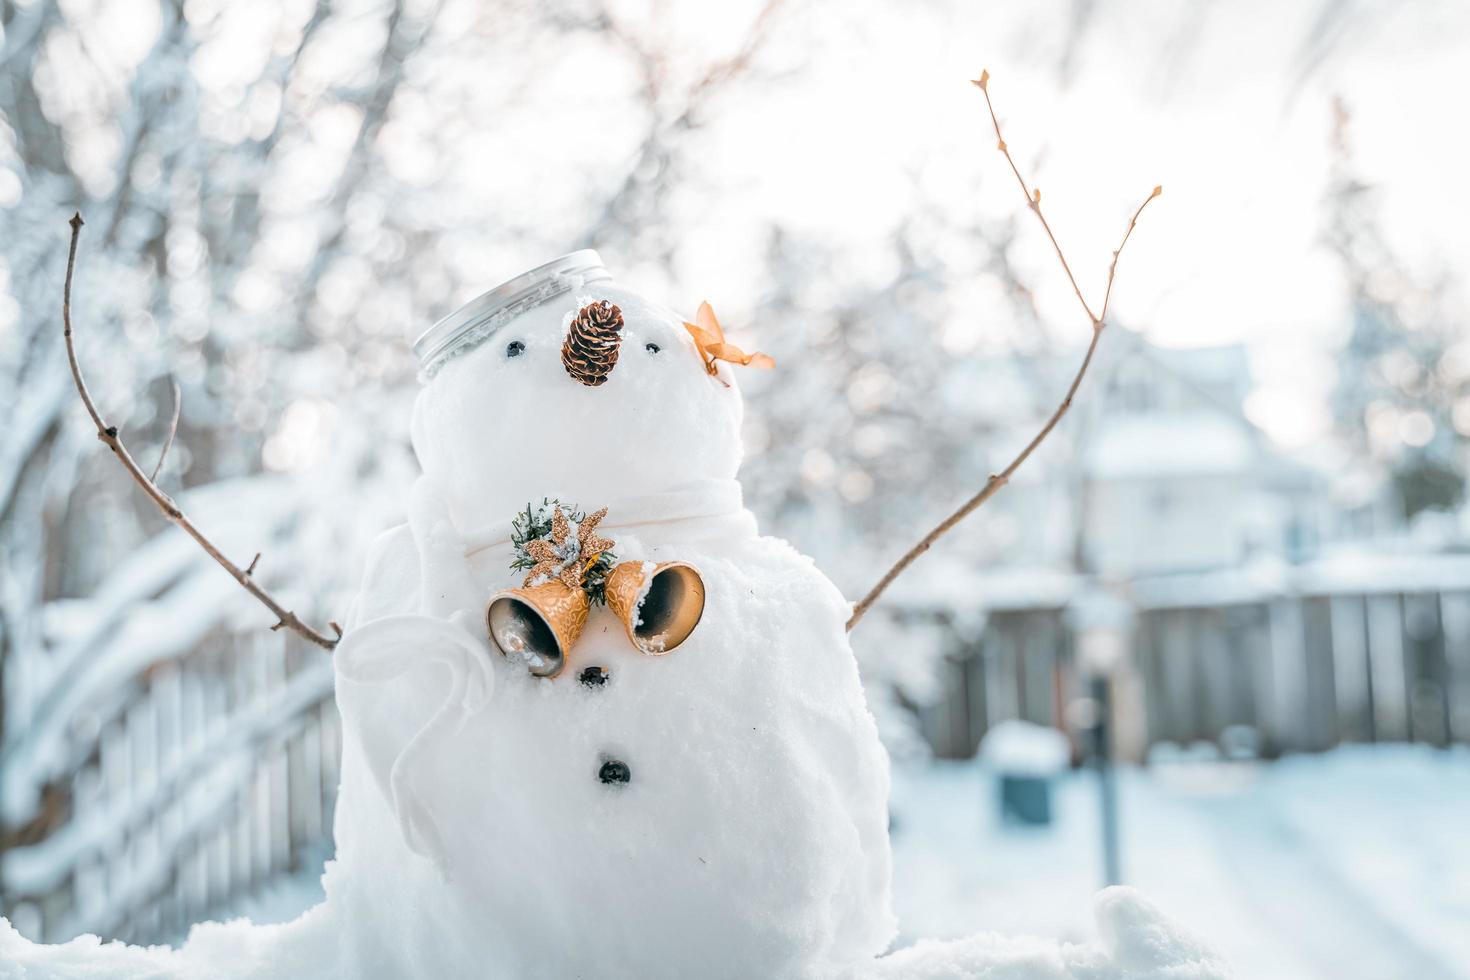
{"x":474,"y":834}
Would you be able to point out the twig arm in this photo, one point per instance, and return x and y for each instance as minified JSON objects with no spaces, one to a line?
{"x":1033,"y":197}
{"x":997,"y":480}
{"x":108,"y":434}
{"x":991,"y":488}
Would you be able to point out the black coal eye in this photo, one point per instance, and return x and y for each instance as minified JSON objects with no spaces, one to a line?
{"x":515,"y":349}
{"x":652,"y":348}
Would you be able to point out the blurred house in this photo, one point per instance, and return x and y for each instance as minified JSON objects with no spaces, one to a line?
{"x":1175,"y":477}
{"x":1157,"y":468}
{"x":1256,"y":619}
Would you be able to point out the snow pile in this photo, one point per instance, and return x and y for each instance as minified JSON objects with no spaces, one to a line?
{"x":230,"y":951}
{"x":1137,"y":943}
{"x":1022,"y":748}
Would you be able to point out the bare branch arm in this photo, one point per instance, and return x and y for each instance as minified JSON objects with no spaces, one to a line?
{"x":285,"y":619}
{"x":1033,"y":197}
{"x":998,"y":480}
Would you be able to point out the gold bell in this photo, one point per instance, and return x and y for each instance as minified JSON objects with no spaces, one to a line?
{"x":659,"y":604}
{"x":538,"y":624}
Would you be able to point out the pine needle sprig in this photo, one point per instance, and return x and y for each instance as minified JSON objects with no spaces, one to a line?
{"x":538,"y":523}
{"x":531,"y":524}
{"x":594,"y":580}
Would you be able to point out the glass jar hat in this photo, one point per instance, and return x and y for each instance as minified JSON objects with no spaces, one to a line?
{"x":482,"y":317}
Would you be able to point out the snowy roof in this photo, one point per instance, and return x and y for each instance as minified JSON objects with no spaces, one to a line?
{"x":949,"y":585}
{"x":1176,"y":444}
{"x":1208,"y":434}
{"x":1347,"y":572}
{"x":942,"y":583}
{"x":1217,"y":368}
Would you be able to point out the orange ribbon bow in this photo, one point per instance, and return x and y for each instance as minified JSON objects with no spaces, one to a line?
{"x":709,"y":339}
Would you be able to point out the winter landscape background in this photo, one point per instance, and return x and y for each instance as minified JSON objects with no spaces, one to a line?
{"x":1241,"y":564}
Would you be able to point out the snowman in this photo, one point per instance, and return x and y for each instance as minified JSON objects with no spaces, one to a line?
{"x":674,"y":774}
{"x":595,"y":724}
{"x":678,"y":777}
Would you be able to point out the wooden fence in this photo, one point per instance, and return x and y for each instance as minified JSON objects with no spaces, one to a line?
{"x":1303,"y":672}
{"x":203,"y":781}
{"x":208,"y":777}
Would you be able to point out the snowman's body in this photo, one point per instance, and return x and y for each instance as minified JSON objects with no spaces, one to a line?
{"x":751,"y":840}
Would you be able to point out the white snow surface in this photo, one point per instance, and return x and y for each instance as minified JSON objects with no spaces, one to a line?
{"x":1347,"y":865}
{"x":1137,"y":943}
{"x":473,"y":834}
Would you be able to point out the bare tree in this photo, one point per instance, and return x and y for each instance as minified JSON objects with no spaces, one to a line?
{"x":1400,"y":383}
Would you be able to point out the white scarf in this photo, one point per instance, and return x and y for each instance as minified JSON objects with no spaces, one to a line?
{"x":716,"y":503}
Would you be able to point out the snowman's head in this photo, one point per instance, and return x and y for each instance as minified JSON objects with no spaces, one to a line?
{"x":505,"y":419}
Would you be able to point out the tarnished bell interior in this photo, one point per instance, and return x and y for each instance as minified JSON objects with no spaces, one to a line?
{"x":667,"y":614}
{"x":519,"y":630}
{"x":670,"y":610}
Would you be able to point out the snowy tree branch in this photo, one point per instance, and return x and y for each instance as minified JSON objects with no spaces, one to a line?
{"x":173,"y":430}
{"x":285,"y":619}
{"x":658,"y":153}
{"x":997,"y":480}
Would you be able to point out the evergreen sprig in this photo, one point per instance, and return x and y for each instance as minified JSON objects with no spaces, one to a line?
{"x":529,"y":525}
{"x":534,"y":524}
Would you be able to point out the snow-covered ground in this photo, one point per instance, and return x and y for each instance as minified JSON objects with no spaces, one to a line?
{"x":1353,"y":864}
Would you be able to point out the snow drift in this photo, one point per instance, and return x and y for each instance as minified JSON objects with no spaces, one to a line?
{"x":1137,"y":943}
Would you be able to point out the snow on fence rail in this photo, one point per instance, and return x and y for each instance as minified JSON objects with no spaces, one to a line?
{"x":1307,"y":657}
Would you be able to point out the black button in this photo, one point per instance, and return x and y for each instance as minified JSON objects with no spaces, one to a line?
{"x":593,"y":676}
{"x":613,"y":771}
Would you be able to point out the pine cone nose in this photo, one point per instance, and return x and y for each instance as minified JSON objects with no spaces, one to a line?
{"x":591,"y":349}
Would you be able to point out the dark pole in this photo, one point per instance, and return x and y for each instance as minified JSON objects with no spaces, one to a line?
{"x":1107,"y":778}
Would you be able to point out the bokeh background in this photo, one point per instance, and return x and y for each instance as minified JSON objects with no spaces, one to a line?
{"x":1213,"y":641}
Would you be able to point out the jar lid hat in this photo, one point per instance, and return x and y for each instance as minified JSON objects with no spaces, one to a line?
{"x":479,"y":319}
